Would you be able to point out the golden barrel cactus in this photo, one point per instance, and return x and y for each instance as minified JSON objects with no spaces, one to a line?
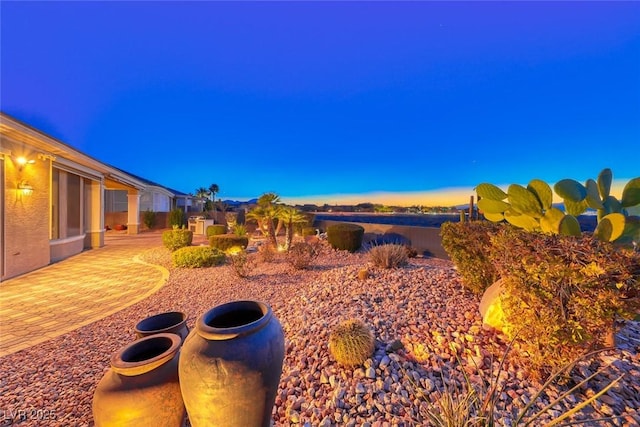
{"x":351,"y":343}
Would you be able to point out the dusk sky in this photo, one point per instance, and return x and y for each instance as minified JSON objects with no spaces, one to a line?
{"x":313,"y":100}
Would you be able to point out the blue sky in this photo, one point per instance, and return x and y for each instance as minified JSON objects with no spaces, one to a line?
{"x":326,"y":99}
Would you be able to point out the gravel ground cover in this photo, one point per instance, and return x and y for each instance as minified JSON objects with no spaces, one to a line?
{"x":421,"y":318}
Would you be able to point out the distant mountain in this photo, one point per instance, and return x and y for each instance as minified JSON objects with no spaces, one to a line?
{"x":239,"y":202}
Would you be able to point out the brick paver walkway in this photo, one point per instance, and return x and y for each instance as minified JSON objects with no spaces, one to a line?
{"x":62,"y":297}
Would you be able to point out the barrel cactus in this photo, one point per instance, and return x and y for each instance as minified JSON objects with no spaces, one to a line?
{"x":351,"y":343}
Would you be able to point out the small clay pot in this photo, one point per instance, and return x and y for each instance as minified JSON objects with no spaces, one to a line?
{"x":172,"y":322}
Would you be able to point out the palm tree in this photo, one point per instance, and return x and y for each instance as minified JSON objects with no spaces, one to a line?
{"x":213,"y":189}
{"x":290,"y":216}
{"x":202,"y":193}
{"x":265,"y":214}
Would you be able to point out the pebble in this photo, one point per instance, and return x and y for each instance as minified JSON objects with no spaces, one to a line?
{"x":371,"y":372}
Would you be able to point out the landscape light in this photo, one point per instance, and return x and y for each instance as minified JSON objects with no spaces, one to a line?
{"x":25,"y":188}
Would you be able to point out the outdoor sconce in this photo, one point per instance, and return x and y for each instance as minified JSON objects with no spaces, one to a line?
{"x":25,"y":188}
{"x":22,"y":161}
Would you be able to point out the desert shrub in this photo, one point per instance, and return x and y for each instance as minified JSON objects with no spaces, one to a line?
{"x":562,"y":293}
{"x":388,"y":256}
{"x":149,"y":219}
{"x":266,"y":252}
{"x":468,"y":247}
{"x":227,"y":241}
{"x":344,"y":236}
{"x":176,"y":218}
{"x":351,"y":343}
{"x":308,"y":231}
{"x":241,"y":264}
{"x":216,"y":229}
{"x":301,"y":255}
{"x":411,"y":251}
{"x":197,"y":256}
{"x":177,"y":238}
{"x":240,"y":230}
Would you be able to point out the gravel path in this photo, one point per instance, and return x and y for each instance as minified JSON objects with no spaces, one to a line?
{"x":421,"y":306}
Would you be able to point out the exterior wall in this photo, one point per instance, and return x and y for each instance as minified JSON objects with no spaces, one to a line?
{"x":64,"y":248}
{"x":27,"y":217}
{"x":426,"y":240}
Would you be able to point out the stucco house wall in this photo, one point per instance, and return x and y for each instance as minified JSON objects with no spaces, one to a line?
{"x":26,"y":216}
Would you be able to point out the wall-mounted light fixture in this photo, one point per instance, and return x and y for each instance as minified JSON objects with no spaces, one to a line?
{"x":22,"y":161}
{"x":25,"y":188}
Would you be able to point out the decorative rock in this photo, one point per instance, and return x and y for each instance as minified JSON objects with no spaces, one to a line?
{"x":384,"y":362}
{"x":371,"y":373}
{"x":491,"y":307}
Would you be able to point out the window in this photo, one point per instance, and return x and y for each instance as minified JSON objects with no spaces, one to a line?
{"x":66,"y":204}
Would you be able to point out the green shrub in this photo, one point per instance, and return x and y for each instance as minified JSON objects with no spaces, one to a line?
{"x":197,"y":256}
{"x":563,"y":293}
{"x":301,"y":255}
{"x":177,"y":238}
{"x":351,"y":343}
{"x":308,"y":231}
{"x":344,"y":236}
{"x":176,"y":218}
{"x":241,"y":264}
{"x":149,"y":219}
{"x":468,"y":245}
{"x":216,"y":229}
{"x":227,"y":241}
{"x":240,"y":230}
{"x":388,"y":256}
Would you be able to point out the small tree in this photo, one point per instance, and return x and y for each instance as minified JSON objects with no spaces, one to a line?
{"x":290,"y":216}
{"x":265,"y":214}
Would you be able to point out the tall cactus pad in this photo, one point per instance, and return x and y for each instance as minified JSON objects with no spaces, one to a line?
{"x":569,"y":226}
{"x":524,"y":201}
{"x":610,"y":227}
{"x":575,"y":208}
{"x":631,"y":193}
{"x":570,"y":189}
{"x":612,"y":205}
{"x":542,"y":191}
{"x":593,"y":197}
{"x":522,"y":221}
{"x":495,"y":217}
{"x":492,"y":206}
{"x":490,"y":191}
{"x":604,"y":183}
{"x":550,"y":222}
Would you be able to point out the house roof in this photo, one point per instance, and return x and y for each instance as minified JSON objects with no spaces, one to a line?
{"x":59,"y":151}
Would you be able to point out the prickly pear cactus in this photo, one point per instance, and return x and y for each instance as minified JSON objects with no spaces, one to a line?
{"x":531,"y":207}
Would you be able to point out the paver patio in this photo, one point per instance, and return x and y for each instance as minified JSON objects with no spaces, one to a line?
{"x":67,"y":295}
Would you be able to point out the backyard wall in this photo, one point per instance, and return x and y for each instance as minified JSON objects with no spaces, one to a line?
{"x":426,"y":240}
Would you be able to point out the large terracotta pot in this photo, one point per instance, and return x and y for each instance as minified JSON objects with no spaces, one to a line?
{"x":172,"y":322}
{"x":141,"y":388}
{"x":230,"y":366}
